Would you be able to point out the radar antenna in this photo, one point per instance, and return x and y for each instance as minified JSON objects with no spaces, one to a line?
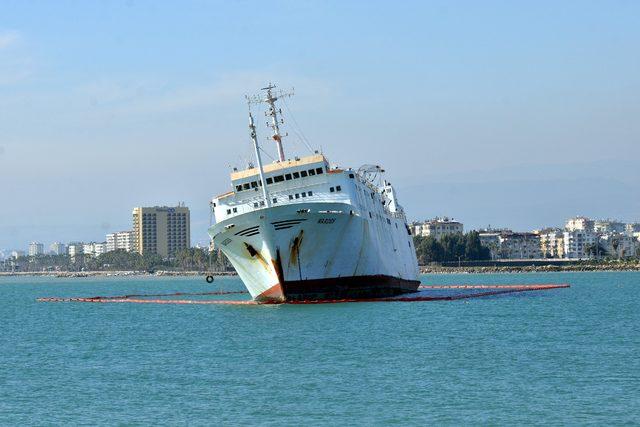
{"x":270,"y":99}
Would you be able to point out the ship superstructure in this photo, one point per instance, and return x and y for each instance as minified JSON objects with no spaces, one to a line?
{"x":302,"y":229}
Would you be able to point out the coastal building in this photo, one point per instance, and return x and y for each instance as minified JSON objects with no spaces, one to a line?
{"x":579,"y":223}
{"x":491,"y":239}
{"x":551,"y":243}
{"x":438,"y":228}
{"x":75,"y":248}
{"x":94,"y":249}
{"x":161,"y":230}
{"x":507,"y":244}
{"x":632,"y":228}
{"x":580,"y":244}
{"x":619,"y":245}
{"x":608,"y":226}
{"x":58,"y":248}
{"x":99,"y":248}
{"x":124,"y":240}
{"x":17,"y":254}
{"x":520,"y":246}
{"x":36,"y":248}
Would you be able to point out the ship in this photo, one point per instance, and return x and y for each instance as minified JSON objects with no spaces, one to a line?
{"x":305,"y":229}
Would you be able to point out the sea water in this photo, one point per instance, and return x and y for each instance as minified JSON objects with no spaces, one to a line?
{"x":564,"y":356}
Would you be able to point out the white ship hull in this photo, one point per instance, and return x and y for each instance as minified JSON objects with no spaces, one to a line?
{"x":312,"y":251}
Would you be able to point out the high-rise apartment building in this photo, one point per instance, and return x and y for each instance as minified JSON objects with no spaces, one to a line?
{"x":579,"y":223}
{"x":161,"y":230}
{"x":94,"y":248}
{"x":75,"y":248}
{"x":36,"y":248}
{"x":121,"y":240}
{"x":58,"y":248}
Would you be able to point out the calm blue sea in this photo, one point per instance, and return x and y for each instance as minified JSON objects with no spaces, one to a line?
{"x":567,"y":356}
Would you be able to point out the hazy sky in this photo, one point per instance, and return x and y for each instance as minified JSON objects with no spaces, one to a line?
{"x":505,"y":113}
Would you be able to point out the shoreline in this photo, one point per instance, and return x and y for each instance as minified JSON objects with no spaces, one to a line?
{"x":120,"y":273}
{"x":576,"y":268}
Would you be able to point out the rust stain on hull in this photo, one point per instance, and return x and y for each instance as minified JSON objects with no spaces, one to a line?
{"x":256,"y":254}
{"x":295,"y":248}
{"x":277,"y":266}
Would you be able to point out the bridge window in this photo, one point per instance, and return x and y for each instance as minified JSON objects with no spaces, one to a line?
{"x":287,"y":176}
{"x":351,"y":175}
{"x":254,"y":184}
{"x":310,"y":193}
{"x":319,"y":171}
{"x":269,"y":181}
{"x":311,"y":172}
{"x":296,"y":175}
{"x":238,"y":187}
{"x":303,"y":173}
{"x":332,"y":189}
{"x":228,"y":211}
{"x":290,"y":196}
{"x":275,"y":200}
{"x":338,"y":188}
{"x":297,"y":195}
{"x":304,"y":194}
{"x":245,"y":186}
{"x":278,"y":178}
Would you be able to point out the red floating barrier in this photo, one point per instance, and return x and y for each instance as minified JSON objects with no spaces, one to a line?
{"x":140,"y":298}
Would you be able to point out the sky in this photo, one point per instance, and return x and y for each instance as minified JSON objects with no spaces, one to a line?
{"x":509,"y":114}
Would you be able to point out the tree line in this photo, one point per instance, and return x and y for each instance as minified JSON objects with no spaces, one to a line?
{"x":451,"y":247}
{"x":120,"y":260}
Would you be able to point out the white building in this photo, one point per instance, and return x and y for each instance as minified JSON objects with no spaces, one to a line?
{"x":58,"y":248}
{"x":75,"y":248}
{"x":94,"y":249}
{"x":552,"y":243}
{"x":438,"y":228}
{"x":580,"y":244}
{"x":608,"y":226}
{"x":579,"y":223}
{"x":506,"y":244}
{"x":491,"y":239}
{"x":619,"y":245}
{"x":17,"y":254}
{"x":121,"y":240}
{"x":36,"y":248}
{"x":99,"y":248}
{"x":520,"y":246}
{"x":632,"y":228}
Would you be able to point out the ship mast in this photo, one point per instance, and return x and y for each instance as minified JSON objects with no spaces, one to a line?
{"x":273,"y":112}
{"x":256,"y":147}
